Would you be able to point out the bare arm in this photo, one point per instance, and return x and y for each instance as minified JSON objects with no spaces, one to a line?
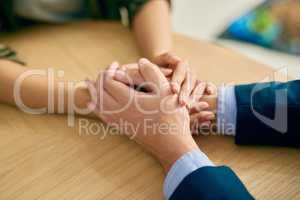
{"x":34,"y":89}
{"x":152,"y":28}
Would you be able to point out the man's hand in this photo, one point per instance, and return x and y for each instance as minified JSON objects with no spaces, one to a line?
{"x":129,"y":74}
{"x":191,"y":90}
{"x":153,"y":119}
{"x":202,"y":112}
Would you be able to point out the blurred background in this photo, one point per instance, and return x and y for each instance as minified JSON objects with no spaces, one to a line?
{"x":205,"y":19}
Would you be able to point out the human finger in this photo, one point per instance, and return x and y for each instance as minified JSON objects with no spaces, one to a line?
{"x":211,"y":88}
{"x":186,"y":90}
{"x":167,"y":59}
{"x":118,"y":90}
{"x":178,"y":76}
{"x":202,"y":116}
{"x":154,"y":78}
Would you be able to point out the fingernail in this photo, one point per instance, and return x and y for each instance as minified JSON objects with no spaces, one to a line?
{"x":210,"y":117}
{"x":177,"y":58}
{"x":186,"y":100}
{"x":190,"y":105}
{"x":91,"y":106}
{"x":182,"y":101}
{"x":166,"y":71}
{"x":175,"y":87}
{"x":114,"y":65}
{"x":202,"y":106}
{"x":143,"y":61}
{"x":209,"y":90}
{"x":119,"y":74}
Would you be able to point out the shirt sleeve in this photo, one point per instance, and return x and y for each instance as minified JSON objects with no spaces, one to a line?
{"x":184,"y":166}
{"x":7,"y":53}
{"x":226,"y":111}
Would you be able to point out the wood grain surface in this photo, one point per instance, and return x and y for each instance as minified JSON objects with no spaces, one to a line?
{"x":42,"y":158}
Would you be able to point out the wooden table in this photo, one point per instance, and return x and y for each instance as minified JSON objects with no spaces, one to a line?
{"x":42,"y":158}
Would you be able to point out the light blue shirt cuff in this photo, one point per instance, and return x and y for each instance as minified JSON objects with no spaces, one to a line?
{"x":226,"y":110}
{"x":184,"y":166}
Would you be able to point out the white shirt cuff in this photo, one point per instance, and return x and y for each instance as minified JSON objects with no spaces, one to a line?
{"x":226,"y":111}
{"x":184,"y":166}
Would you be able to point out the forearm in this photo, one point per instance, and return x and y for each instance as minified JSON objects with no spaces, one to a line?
{"x":36,"y":91}
{"x":152,"y":28}
{"x":168,"y":156}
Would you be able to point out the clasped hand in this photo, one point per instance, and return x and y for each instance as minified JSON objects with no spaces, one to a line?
{"x":152,"y":104}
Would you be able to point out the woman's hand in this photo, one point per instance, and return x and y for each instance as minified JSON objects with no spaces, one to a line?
{"x":129,"y":74}
{"x":191,"y":90}
{"x":203,"y":108}
{"x":182,"y":81}
{"x":153,"y":119}
{"x":171,"y":61}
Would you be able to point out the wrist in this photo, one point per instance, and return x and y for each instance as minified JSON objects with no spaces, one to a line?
{"x":175,"y":150}
{"x":82,"y":97}
{"x":168,"y":163}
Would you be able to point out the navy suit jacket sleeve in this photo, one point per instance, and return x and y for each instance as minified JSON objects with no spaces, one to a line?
{"x":268,"y":114}
{"x":211,"y":183}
